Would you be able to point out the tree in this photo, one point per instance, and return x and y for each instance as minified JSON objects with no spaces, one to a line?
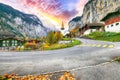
{"x":58,"y":36}
{"x":50,"y":38}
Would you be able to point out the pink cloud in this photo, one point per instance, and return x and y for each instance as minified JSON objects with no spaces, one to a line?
{"x":51,"y":7}
{"x":80,"y":6}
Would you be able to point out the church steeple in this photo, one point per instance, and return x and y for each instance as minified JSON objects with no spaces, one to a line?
{"x":62,"y":26}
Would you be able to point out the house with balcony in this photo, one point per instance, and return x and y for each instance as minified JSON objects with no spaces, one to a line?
{"x":112,"y":22}
{"x":10,"y":38}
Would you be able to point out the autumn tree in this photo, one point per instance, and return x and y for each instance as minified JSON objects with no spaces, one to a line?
{"x":58,"y":36}
{"x":50,"y":38}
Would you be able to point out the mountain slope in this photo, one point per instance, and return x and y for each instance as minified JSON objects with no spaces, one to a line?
{"x":74,"y":22}
{"x":21,"y":23}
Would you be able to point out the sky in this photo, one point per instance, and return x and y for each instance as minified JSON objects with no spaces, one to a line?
{"x":50,"y":12}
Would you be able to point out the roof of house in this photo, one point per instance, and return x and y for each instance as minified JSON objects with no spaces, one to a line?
{"x":9,"y":35}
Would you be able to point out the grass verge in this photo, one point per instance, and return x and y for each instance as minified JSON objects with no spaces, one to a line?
{"x":66,"y":39}
{"x":117,"y":59}
{"x":105,"y":36}
{"x":61,"y":46}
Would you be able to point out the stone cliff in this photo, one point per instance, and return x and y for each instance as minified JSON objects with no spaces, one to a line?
{"x":95,"y":10}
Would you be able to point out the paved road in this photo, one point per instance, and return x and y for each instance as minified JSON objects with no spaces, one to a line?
{"x":90,"y":53}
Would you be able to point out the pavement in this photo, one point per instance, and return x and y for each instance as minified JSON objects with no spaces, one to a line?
{"x":85,"y":61}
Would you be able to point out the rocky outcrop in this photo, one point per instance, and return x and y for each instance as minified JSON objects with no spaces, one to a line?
{"x":20,"y":23}
{"x":74,"y":22}
{"x":95,"y":10}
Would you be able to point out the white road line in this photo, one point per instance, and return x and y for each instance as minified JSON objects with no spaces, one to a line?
{"x":80,"y":68}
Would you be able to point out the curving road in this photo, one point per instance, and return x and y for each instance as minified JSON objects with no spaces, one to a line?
{"x":90,"y":53}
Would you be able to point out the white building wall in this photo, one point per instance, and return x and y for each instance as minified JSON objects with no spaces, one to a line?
{"x":115,"y":27}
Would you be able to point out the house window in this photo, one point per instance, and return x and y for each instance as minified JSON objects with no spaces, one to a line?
{"x":117,"y":24}
{"x":107,"y":26}
{"x":4,"y":43}
{"x":13,"y":43}
{"x":16,"y":42}
{"x":7,"y":43}
{"x":112,"y":25}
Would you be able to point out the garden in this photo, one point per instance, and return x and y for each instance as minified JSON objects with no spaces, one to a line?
{"x":53,"y":40}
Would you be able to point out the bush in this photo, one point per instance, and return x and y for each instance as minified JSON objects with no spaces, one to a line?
{"x":58,"y":36}
{"x":19,"y":48}
{"x":3,"y":78}
{"x":53,"y":37}
{"x":60,"y":46}
{"x":30,"y":46}
{"x":117,"y":59}
{"x":42,"y":39}
{"x":55,"y":46}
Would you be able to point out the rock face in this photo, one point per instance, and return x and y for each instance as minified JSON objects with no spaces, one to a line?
{"x":95,"y":10}
{"x":74,"y":22}
{"x":21,"y":23}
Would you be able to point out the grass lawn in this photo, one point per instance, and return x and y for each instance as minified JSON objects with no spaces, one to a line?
{"x":66,"y":39}
{"x":117,"y":59}
{"x":105,"y":36}
{"x":61,"y":46}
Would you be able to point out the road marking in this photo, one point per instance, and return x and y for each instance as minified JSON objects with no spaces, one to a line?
{"x":81,"y":45}
{"x":88,"y":44}
{"x":84,"y":45}
{"x":111,"y":46}
{"x":99,"y":45}
{"x":84,"y":67}
{"x":104,"y":46}
{"x":94,"y":45}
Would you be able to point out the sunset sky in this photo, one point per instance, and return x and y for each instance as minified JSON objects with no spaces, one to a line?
{"x":50,"y":12}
